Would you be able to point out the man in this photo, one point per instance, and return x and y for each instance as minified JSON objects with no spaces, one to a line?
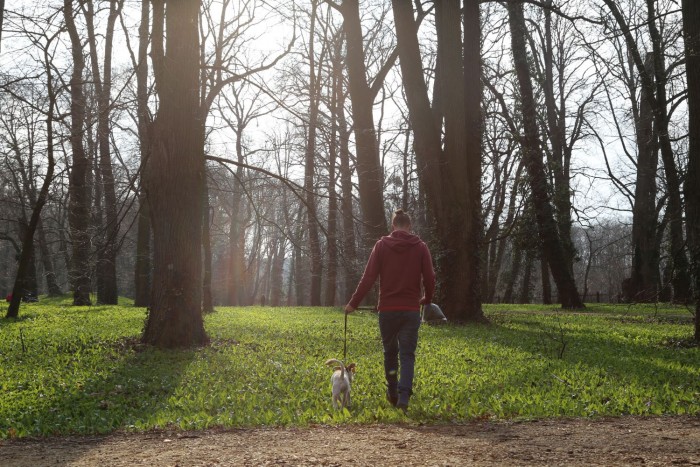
{"x":401,"y":261}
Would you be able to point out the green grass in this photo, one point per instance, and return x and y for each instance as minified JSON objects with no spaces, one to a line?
{"x":70,"y":370}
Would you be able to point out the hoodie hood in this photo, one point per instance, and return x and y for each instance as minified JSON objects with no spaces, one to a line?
{"x":400,"y":241}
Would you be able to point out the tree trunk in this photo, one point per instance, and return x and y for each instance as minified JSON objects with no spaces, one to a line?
{"x":142,"y":273}
{"x":657,"y":99}
{"x":49,"y":270}
{"x":514,"y":274}
{"x":452,"y":178}
{"x":350,"y":260}
{"x":332,"y":230}
{"x":207,"y":300}
{"x":174,"y":187}
{"x":28,"y":239}
{"x":645,"y":259}
{"x":680,"y":278}
{"x":691,"y":31}
{"x":559,"y":163}
{"x":526,"y":286}
{"x":531,"y":147}
{"x":107,"y":292}
{"x":546,"y":284}
{"x":369,"y":170}
{"x":79,"y":206}
{"x":309,"y":169}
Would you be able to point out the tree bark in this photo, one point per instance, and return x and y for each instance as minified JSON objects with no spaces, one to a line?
{"x":142,"y":273}
{"x":691,"y":31}
{"x":107,"y":292}
{"x":559,"y":163}
{"x":332,"y":230}
{"x":174,"y":187}
{"x":369,"y":169}
{"x":309,"y":170}
{"x":207,"y":300}
{"x":79,"y":195}
{"x":451,"y":178}
{"x":547,"y":227}
{"x":645,"y":259}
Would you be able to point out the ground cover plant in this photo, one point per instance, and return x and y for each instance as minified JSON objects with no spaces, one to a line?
{"x":81,"y":370}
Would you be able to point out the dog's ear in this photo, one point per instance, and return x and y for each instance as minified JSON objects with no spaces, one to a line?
{"x":351,"y":367}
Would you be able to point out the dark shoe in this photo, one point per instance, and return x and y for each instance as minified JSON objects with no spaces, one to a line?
{"x":402,"y":403}
{"x":392,"y":396}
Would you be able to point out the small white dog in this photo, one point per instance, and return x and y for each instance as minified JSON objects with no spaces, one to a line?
{"x":341,"y":382}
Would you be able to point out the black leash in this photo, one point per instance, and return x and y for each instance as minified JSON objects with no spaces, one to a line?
{"x":345,"y":338}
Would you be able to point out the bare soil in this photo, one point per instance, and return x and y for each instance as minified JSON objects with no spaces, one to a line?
{"x":663,"y":441}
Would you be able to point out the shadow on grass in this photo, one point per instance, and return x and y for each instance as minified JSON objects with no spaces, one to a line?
{"x":89,"y":385}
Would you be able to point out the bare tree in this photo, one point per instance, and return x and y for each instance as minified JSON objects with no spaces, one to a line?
{"x":531,"y":146}
{"x":18,"y":290}
{"x":691,"y":31}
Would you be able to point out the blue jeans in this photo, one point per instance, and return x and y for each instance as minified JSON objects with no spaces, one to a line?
{"x":399,"y":331}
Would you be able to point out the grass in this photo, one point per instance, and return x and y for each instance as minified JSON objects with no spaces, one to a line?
{"x":66,"y":370}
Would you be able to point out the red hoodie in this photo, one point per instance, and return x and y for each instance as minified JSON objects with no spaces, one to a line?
{"x":400,"y":260}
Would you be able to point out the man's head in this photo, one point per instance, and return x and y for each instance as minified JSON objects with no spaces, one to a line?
{"x":401,"y":221}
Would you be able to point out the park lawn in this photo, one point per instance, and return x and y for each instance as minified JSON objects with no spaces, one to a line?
{"x":67,"y":370}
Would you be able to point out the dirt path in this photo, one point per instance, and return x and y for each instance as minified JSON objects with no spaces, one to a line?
{"x":611,"y":441}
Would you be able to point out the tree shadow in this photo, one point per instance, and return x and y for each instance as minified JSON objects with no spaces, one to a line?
{"x":114,"y":385}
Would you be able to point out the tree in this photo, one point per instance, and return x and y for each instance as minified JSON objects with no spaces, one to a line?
{"x":107,"y":292}
{"x":531,"y":147}
{"x":369,"y":169}
{"x":452,"y":177}
{"x":142,"y":267}
{"x":691,"y":31}
{"x":28,"y":239}
{"x":655,"y":89}
{"x":79,"y":194}
{"x":174,"y":182}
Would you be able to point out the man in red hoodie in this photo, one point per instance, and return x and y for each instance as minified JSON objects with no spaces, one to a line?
{"x":401,"y":261}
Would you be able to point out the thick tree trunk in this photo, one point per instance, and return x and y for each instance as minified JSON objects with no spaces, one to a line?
{"x":452,"y":178}
{"x":547,"y":227}
{"x":691,"y":31}
{"x":174,"y":188}
{"x":645,"y":259}
{"x":369,"y":170}
{"x":79,"y":195}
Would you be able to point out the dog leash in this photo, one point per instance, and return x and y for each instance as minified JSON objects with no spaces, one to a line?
{"x":345,"y":339}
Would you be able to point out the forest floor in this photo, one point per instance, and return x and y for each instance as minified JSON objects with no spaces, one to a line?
{"x":605,"y":441}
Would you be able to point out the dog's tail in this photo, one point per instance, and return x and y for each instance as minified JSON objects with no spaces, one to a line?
{"x":332,"y":361}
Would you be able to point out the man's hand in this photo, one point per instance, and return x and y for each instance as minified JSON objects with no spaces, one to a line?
{"x":348,"y":309}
